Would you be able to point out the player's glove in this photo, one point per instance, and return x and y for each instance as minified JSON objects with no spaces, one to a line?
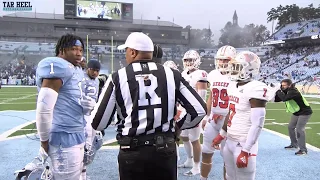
{"x":217,"y":140}
{"x":87,"y":104}
{"x":242,"y":160}
{"x":43,"y":155}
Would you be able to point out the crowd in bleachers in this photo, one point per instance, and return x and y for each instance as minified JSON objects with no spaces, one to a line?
{"x":18,"y":60}
{"x":299,"y":29}
{"x":296,"y":64}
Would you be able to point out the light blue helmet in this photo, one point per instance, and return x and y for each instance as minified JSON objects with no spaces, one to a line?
{"x":35,"y":170}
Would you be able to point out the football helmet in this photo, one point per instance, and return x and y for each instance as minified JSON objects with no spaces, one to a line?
{"x":223,"y":56}
{"x":90,"y":150}
{"x":170,"y":64}
{"x":191,"y":60}
{"x":244,"y":67}
{"x":35,"y":170}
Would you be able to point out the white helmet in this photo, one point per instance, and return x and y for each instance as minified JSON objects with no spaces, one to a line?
{"x":191,"y":60}
{"x":245,"y":66}
{"x":223,"y":56}
{"x":170,"y":64}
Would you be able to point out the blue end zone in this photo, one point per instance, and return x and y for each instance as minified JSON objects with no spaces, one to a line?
{"x":273,"y":161}
{"x":11,"y":119}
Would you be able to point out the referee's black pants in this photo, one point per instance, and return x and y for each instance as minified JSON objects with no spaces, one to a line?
{"x":146,"y":163}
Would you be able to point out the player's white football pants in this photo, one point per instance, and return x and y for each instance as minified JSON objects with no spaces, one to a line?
{"x":66,"y":162}
{"x":231,"y":152}
{"x":211,"y":130}
{"x":193,"y":134}
{"x":90,"y":132}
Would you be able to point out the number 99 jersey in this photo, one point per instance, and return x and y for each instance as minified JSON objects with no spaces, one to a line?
{"x":218,"y":86}
{"x":240,"y":108}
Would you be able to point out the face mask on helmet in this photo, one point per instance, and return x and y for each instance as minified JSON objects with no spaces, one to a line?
{"x":35,"y":171}
{"x":223,"y":56}
{"x":222,"y":65}
{"x":191,"y":60}
{"x":244,"y":67}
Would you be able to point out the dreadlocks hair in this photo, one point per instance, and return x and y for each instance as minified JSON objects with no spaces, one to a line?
{"x":67,"y":41}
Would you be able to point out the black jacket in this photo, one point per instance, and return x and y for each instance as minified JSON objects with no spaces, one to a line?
{"x":294,"y":94}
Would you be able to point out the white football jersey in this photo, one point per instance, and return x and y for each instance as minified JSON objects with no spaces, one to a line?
{"x":194,"y":77}
{"x":240,"y":109}
{"x":218,"y":86}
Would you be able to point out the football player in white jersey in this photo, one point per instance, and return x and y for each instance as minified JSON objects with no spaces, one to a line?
{"x":217,"y":106}
{"x":190,"y":137}
{"x":247,"y":112}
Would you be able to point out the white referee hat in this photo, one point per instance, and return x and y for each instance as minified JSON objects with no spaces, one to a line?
{"x":138,"y":41}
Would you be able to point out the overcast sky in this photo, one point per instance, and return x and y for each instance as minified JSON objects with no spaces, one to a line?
{"x":197,"y":13}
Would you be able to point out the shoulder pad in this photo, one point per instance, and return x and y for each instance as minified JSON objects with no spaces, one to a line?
{"x":54,"y":67}
{"x":258,"y":90}
{"x":201,"y":75}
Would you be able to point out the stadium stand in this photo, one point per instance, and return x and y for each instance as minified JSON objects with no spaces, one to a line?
{"x":299,"y":29}
{"x":29,"y":39}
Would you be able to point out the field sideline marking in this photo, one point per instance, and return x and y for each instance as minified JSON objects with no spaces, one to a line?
{"x":4,"y":135}
{"x":287,"y":137}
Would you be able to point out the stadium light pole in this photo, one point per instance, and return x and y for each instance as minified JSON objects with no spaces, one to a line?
{"x":111,"y":54}
{"x":87,"y":48}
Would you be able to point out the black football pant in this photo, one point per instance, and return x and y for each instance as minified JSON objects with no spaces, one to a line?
{"x":146,"y":163}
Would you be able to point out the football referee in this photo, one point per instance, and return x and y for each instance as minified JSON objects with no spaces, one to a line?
{"x":144,"y":94}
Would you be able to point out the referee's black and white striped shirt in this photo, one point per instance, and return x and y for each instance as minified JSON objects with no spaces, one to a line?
{"x":145,"y":94}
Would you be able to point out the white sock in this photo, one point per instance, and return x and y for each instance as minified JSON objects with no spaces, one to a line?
{"x":196,"y":165}
{"x":188,"y":148}
{"x":203,"y":178}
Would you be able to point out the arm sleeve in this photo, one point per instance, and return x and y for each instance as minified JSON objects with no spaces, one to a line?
{"x":47,"y":99}
{"x":257,"y":121}
{"x":105,"y":108}
{"x":192,"y":102}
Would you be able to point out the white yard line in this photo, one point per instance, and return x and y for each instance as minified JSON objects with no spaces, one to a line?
{"x":18,"y":98}
{"x":270,"y":119}
{"x":283,"y":124}
{"x":5,"y":111}
{"x":4,"y":135}
{"x":20,"y":103}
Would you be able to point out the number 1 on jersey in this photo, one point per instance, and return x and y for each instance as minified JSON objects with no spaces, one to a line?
{"x":51,"y":68}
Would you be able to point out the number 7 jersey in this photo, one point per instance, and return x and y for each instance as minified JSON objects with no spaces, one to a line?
{"x":240,"y":108}
{"x":218,"y":86}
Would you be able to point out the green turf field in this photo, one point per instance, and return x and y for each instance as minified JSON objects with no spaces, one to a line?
{"x":18,"y":98}
{"x":277,"y":119}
